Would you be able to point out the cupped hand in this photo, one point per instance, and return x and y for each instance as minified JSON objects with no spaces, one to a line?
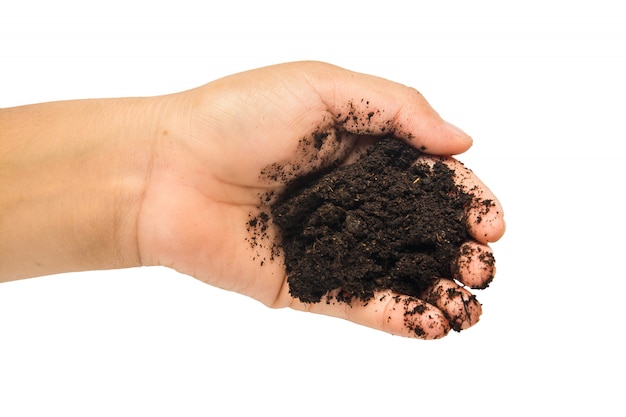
{"x":226,"y":148}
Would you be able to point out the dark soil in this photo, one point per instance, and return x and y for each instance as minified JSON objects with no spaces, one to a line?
{"x":382,"y":222}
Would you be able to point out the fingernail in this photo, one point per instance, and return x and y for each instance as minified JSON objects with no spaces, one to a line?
{"x":455,"y":129}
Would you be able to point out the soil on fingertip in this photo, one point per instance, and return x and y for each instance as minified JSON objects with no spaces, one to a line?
{"x":382,"y":222}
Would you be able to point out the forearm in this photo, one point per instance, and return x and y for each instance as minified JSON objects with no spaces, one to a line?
{"x":71,"y":178}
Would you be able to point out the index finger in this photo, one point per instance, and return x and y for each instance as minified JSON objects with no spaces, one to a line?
{"x":485,"y":216}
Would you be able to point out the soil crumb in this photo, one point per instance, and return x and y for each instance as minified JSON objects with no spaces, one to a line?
{"x":383,"y":222}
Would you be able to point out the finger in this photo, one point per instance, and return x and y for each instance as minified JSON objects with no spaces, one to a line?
{"x":391,"y":313}
{"x":475,"y":266}
{"x":368,"y":105}
{"x":458,"y":305}
{"x":485,"y":217}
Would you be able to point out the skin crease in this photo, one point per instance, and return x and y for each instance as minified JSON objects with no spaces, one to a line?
{"x":188,"y":177}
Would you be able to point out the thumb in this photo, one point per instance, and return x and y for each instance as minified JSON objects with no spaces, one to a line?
{"x":369,"y":105}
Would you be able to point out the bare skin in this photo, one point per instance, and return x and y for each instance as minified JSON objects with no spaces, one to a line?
{"x":172,"y":181}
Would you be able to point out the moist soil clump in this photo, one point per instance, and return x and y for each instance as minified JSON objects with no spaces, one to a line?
{"x":383,"y":222}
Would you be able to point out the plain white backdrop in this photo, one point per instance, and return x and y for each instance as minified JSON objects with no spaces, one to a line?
{"x":540,"y":87}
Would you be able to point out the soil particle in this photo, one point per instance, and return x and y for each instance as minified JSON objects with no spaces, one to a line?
{"x":383,"y":222}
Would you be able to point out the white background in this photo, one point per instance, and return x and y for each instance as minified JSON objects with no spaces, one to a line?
{"x":540,"y":87}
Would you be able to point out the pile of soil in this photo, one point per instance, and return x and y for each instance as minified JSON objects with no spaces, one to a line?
{"x":383,"y":222}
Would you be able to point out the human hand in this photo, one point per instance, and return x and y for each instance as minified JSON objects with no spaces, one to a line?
{"x":216,"y":157}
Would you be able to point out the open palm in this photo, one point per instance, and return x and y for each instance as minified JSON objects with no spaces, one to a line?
{"x":230,"y":145}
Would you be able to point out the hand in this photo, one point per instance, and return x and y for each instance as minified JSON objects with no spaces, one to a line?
{"x":207,"y":179}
